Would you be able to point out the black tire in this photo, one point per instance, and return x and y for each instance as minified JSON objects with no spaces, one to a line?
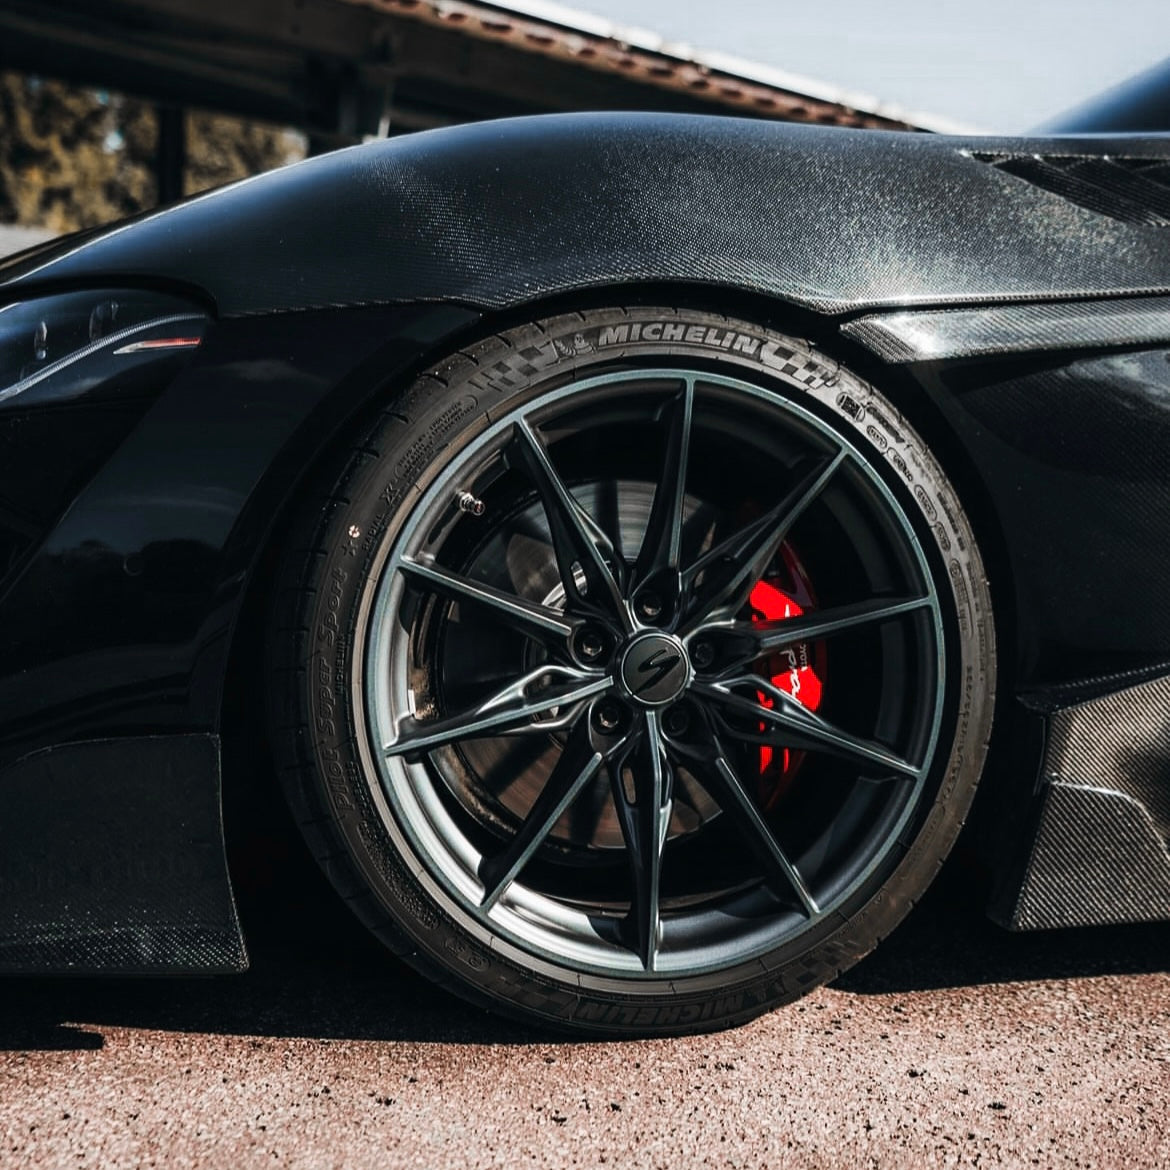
{"x":360,"y":809}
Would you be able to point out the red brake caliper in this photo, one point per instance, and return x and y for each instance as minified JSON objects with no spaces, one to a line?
{"x":797,"y":670}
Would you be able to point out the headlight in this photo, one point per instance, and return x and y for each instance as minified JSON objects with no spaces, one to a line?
{"x":58,"y":347}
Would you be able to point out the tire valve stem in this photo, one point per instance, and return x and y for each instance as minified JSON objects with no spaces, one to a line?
{"x":469,"y":503}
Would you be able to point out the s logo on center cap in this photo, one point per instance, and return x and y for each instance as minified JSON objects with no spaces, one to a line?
{"x":655,"y":669}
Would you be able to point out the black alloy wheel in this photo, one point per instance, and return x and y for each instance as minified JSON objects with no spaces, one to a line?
{"x":650,"y":671}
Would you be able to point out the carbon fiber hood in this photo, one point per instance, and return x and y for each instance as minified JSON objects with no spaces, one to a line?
{"x":499,"y":213}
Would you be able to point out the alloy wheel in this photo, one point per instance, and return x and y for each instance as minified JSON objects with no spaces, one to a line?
{"x":592,"y":735}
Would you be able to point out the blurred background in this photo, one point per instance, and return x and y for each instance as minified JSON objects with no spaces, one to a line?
{"x":110,"y":107}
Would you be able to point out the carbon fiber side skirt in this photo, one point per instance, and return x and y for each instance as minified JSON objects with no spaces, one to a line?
{"x":1100,"y":850}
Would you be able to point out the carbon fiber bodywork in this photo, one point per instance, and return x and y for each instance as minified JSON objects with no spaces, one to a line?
{"x":137,"y":880}
{"x":499,"y":214}
{"x":121,"y":592}
{"x":1099,"y":852}
{"x":928,"y":335}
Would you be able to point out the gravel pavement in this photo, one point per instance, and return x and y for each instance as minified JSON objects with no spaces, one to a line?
{"x":955,"y":1044}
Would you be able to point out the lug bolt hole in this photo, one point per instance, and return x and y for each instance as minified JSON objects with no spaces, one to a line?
{"x":702,"y":654}
{"x":676,"y":721}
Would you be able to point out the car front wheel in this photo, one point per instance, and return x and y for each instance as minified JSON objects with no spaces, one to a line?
{"x":639,"y":673}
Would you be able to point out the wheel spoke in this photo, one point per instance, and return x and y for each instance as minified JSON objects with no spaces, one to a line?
{"x":728,"y":789}
{"x":746,"y":641}
{"x":537,"y":621}
{"x":577,"y":765}
{"x":575,"y":536}
{"x":789,"y":724}
{"x":661,"y":549}
{"x":509,"y":711}
{"x":731,"y":569}
{"x":644,"y":825}
{"x":609,"y":516}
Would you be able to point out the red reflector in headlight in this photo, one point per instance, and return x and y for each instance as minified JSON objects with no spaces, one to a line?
{"x":160,"y":343}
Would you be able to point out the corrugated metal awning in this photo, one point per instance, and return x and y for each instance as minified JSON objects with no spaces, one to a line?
{"x":344,"y":69}
{"x":589,"y":42}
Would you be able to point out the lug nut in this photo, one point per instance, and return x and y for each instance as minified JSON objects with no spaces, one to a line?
{"x":591,"y":644}
{"x":650,"y":605}
{"x":702,"y":654}
{"x":607,"y":715}
{"x":676,"y":721}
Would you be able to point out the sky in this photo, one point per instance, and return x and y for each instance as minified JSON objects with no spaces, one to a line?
{"x":996,"y":65}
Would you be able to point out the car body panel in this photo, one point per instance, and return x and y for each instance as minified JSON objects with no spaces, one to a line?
{"x":502,"y":213}
{"x":1139,"y":104}
{"x":121,"y":618}
{"x":112,"y":860}
{"x":341,"y":276}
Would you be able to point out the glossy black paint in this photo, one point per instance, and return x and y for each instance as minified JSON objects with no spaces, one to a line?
{"x":1139,"y":105}
{"x":60,"y":348}
{"x":120,"y":622}
{"x":47,"y":456}
{"x":75,"y":377}
{"x":1074,"y":454}
{"x":498,"y":214}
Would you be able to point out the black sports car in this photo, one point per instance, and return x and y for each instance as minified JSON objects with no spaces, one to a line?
{"x":628,"y":534}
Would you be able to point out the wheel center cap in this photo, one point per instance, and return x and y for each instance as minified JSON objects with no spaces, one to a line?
{"x":655,"y":669}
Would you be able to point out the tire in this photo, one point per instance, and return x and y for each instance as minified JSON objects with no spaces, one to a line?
{"x":558,"y":748}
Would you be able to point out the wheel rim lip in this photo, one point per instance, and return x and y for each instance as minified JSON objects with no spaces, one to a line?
{"x":558,"y":936}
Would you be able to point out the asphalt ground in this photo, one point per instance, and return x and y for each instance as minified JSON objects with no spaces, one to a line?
{"x":954,"y":1044}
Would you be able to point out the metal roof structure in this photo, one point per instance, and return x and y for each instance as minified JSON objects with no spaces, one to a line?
{"x":344,"y":69}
